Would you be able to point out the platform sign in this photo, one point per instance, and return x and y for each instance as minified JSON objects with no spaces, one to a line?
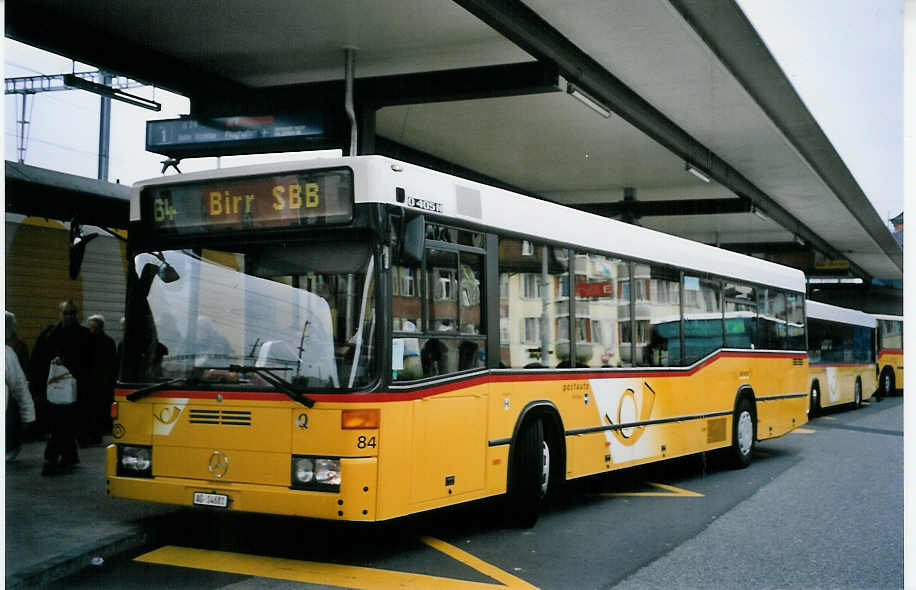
{"x":239,"y":135}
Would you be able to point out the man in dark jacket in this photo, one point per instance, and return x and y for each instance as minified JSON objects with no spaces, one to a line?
{"x":67,"y":343}
{"x":98,"y":407}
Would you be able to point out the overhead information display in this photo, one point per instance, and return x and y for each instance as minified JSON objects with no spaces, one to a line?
{"x":239,"y":135}
{"x":316,"y":197}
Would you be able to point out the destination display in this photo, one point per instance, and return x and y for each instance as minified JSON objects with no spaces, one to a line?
{"x":316,"y":197}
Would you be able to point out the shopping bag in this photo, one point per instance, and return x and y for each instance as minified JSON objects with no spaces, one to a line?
{"x":61,"y":385}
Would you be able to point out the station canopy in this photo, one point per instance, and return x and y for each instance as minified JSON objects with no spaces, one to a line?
{"x":600,"y":104}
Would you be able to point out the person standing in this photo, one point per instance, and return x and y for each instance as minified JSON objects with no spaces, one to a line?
{"x":22,"y":354}
{"x":13,"y":341}
{"x":18,"y":387}
{"x":98,"y":419}
{"x":66,"y":343}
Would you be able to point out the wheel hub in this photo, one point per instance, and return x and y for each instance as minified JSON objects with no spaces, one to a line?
{"x":545,"y":469}
{"x":745,"y":432}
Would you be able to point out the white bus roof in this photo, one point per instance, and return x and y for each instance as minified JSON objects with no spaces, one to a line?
{"x":884,"y":316}
{"x":824,"y":311}
{"x":377,"y":177}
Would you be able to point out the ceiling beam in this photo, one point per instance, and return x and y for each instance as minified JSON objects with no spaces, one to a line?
{"x":635,"y":209}
{"x":55,"y":31}
{"x":529,"y":31}
{"x":426,"y":87}
{"x":763,"y":247}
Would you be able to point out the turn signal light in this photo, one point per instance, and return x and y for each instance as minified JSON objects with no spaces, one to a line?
{"x":114,"y":410}
{"x":359,"y":419}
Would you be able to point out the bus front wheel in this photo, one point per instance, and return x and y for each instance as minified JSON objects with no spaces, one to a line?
{"x":857,"y":400}
{"x":744,"y":434}
{"x":529,"y":476}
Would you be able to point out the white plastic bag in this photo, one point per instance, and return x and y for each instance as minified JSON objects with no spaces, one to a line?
{"x":61,"y":385}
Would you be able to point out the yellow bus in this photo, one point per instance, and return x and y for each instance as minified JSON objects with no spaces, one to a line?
{"x":890,"y":354}
{"x":362,"y":339}
{"x":841,"y":356}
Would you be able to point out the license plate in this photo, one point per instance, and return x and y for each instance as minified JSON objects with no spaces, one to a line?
{"x":218,"y":500}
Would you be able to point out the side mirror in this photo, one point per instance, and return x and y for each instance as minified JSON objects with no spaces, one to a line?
{"x":412,"y":240}
{"x":77,"y":247}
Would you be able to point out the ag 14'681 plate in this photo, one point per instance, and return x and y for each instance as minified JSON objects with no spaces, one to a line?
{"x":217,"y":500}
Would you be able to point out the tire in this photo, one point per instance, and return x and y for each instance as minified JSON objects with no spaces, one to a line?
{"x":857,"y":396}
{"x":529,"y":475}
{"x":888,"y":385}
{"x":814,"y":406}
{"x":744,"y":434}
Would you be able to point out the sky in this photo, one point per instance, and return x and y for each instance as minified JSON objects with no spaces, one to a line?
{"x":844,"y":58}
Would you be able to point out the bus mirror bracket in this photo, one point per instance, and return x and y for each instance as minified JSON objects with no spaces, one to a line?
{"x":77,"y":247}
{"x":78,"y":243}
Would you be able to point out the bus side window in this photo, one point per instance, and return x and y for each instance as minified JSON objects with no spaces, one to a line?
{"x":740,"y":315}
{"x":771,"y":319}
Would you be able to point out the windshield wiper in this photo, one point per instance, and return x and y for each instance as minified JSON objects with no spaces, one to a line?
{"x":280,"y":383}
{"x":142,"y":393}
{"x":264,"y":372}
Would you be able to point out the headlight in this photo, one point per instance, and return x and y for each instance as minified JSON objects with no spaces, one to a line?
{"x":303,"y":470}
{"x":135,"y":461}
{"x":327,"y":471}
{"x":315,"y":473}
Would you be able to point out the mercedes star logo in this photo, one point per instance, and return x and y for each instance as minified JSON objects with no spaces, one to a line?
{"x":219,"y":464}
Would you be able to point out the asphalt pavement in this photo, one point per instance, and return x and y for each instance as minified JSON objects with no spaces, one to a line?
{"x":827,"y":522}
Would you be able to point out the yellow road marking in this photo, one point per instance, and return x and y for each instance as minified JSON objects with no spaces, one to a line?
{"x":672,"y":492}
{"x":478,"y":564}
{"x":827,"y":418}
{"x":362,"y":578}
{"x":804,"y":431}
{"x":346,"y":576}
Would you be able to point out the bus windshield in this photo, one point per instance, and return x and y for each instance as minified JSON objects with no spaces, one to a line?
{"x":306,"y":312}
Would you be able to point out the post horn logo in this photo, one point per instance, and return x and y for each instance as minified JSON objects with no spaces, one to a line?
{"x":632,"y":409}
{"x":168,"y":414}
{"x":218,"y":464}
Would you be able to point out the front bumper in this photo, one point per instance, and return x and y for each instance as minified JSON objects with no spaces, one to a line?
{"x":355,"y":500}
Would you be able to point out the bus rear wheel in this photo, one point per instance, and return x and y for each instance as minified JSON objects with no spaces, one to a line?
{"x":814,"y":407}
{"x":888,"y":384}
{"x":857,"y":399}
{"x":744,"y":434}
{"x":529,"y":476}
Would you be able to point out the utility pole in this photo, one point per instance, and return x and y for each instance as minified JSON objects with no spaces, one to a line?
{"x":103,"y":83}
{"x":104,"y":129}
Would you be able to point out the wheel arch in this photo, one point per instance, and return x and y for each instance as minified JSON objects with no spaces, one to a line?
{"x":746,"y":392}
{"x":554,"y":434}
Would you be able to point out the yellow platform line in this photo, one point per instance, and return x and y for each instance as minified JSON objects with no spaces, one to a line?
{"x":672,"y":492}
{"x":345,"y":576}
{"x":478,"y":564}
{"x":804,"y":431}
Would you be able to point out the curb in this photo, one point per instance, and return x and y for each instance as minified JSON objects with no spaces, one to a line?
{"x":74,"y":561}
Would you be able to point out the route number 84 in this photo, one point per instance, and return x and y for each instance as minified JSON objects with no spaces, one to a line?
{"x":362,"y":442}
